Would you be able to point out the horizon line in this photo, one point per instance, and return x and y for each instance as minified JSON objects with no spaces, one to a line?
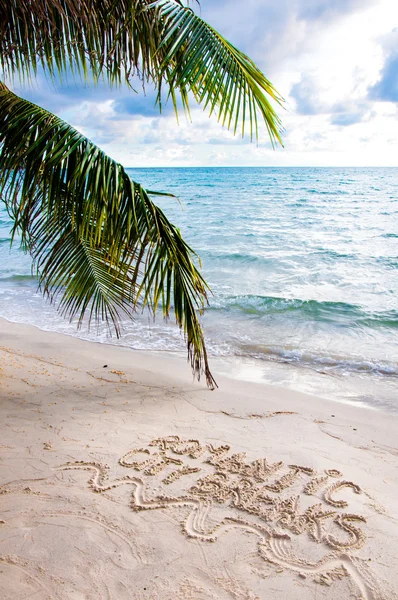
{"x":268,"y":167}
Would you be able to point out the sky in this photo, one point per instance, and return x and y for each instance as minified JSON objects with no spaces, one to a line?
{"x":334,"y":61}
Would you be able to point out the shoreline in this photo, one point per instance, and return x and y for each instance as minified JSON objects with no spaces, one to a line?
{"x":355,"y":389}
{"x":152,"y":445}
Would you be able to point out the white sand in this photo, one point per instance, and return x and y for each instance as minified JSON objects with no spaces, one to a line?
{"x":275,"y":495}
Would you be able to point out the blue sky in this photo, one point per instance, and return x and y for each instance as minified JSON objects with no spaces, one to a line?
{"x":334,"y":61}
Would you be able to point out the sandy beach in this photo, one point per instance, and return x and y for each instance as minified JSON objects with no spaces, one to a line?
{"x":120,"y":478}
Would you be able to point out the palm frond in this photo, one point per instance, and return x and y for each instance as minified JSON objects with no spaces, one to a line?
{"x":159,"y":41}
{"x":99,"y":243}
{"x":196,"y":58}
{"x":114,"y":39}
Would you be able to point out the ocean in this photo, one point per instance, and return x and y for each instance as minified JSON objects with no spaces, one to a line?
{"x":303,"y":267}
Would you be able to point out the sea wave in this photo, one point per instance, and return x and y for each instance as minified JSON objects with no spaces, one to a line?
{"x":240,"y":257}
{"x":309,"y":309}
{"x":321,"y":363}
{"x":18,"y":280}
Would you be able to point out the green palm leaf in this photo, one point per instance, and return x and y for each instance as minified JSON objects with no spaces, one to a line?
{"x":99,"y":243}
{"x":196,"y":58}
{"x":159,"y":41}
{"x":114,"y":39}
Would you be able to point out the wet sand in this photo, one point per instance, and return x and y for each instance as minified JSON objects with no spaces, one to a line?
{"x":121,"y":479}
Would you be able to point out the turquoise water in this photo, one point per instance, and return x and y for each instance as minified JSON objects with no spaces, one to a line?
{"x":302,"y":262}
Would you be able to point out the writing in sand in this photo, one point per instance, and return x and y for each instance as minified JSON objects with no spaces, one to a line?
{"x":272,"y":500}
